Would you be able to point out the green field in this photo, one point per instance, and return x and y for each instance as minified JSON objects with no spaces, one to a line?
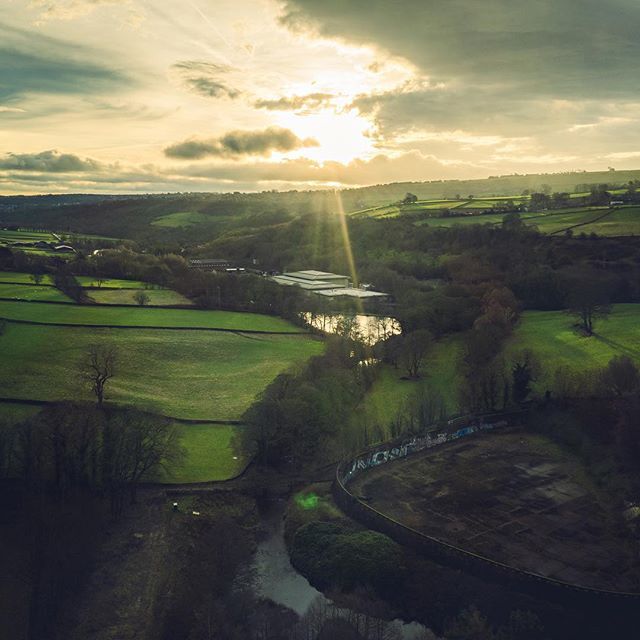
{"x":32,"y":292}
{"x":110,"y":283}
{"x":157,"y":297}
{"x":391,"y":394}
{"x":430,"y":206}
{"x":197,"y":375}
{"x":553,"y":338}
{"x":181,"y":219}
{"x":86,"y":281}
{"x":142,"y":317}
{"x":622,"y":222}
{"x":23,"y":235}
{"x":23,"y":278}
{"x":209,"y":454}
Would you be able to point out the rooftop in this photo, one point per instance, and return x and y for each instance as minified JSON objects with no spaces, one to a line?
{"x":304,"y":283}
{"x":312,"y":274}
{"x":352,"y":293}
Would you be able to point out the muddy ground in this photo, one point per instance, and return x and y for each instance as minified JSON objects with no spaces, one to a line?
{"x":514,"y":497}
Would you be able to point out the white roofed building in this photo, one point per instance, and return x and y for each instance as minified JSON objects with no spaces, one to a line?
{"x":328,"y":285}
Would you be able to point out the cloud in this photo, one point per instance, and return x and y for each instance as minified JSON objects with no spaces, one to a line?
{"x":507,"y":68}
{"x":296,"y":103}
{"x":205,"y":78}
{"x":35,"y":64}
{"x":379,"y":169}
{"x":240,"y":143}
{"x":52,"y":171}
{"x":48,"y":162}
{"x":552,"y":47}
{"x":69,"y":9}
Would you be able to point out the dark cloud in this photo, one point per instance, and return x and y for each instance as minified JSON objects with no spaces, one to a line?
{"x":296,"y":103}
{"x":48,"y":162}
{"x":550,"y":70}
{"x":35,"y":64}
{"x":240,"y":143}
{"x":206,"y":78}
{"x":550,"y":47}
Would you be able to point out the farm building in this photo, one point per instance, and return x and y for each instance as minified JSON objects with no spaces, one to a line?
{"x":312,"y":280}
{"x":209,"y":264}
{"x":329,"y":285}
{"x":351,"y":292}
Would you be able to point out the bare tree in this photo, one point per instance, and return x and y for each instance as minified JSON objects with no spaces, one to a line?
{"x":98,"y":366}
{"x":414,"y":351}
{"x":141,"y":298}
{"x":137,"y":444}
{"x":588,"y":300}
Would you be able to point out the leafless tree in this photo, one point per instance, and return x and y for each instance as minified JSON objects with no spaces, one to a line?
{"x":137,"y":444}
{"x":415,"y":347}
{"x":98,"y":366}
{"x":141,"y":298}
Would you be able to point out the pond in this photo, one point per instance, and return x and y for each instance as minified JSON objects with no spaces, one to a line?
{"x":369,"y":328}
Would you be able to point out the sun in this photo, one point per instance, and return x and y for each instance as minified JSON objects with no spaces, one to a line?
{"x":342,"y":135}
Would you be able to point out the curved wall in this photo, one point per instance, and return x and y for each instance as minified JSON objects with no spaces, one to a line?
{"x":448,"y":554}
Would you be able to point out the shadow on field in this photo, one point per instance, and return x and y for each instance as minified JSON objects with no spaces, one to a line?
{"x":618,"y":346}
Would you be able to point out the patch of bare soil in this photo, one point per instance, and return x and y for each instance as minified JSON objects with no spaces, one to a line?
{"x":516,"y":498}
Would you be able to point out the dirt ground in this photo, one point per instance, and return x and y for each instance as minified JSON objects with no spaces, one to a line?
{"x":514,"y":497}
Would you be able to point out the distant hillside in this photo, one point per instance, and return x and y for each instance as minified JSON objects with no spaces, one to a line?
{"x":194,"y":218}
{"x":494,"y":186}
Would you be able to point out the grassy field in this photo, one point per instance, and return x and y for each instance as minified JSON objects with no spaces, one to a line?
{"x":208,"y":448}
{"x":86,"y":281}
{"x":553,"y":338}
{"x":142,"y":317}
{"x":157,"y":297}
{"x":23,"y":235}
{"x":32,"y":292}
{"x":392,"y":393}
{"x":209,"y":454}
{"x":15,"y":277}
{"x":181,"y":219}
{"x":110,"y":283}
{"x":622,"y":222}
{"x":197,"y":375}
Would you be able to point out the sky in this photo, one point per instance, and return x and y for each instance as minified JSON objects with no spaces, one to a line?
{"x":250,"y":95}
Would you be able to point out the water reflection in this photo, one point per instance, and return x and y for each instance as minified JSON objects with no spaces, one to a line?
{"x":276,"y":579}
{"x":367,"y":328}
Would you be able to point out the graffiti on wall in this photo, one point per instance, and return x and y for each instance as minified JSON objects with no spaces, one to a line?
{"x":390,"y":452}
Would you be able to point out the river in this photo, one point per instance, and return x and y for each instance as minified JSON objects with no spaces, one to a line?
{"x":275,"y":577}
